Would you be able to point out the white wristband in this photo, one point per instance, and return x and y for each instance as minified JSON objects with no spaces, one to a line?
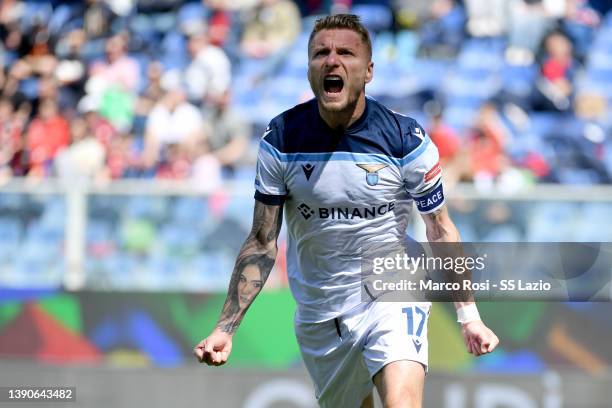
{"x":469,"y":313}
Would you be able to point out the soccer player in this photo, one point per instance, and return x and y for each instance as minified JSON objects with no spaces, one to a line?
{"x":346,"y":171}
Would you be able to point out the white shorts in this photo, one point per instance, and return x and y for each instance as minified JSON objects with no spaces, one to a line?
{"x":343,"y":355}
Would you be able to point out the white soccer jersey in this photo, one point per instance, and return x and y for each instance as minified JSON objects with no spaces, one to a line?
{"x":343,"y":190}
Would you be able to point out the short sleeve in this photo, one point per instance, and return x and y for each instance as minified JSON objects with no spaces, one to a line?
{"x":422,"y":173}
{"x":270,"y":186}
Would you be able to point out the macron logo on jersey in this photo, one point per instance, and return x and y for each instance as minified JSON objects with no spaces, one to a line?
{"x":307,"y":168}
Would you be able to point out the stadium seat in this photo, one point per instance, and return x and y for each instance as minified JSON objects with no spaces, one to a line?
{"x":407,"y":44}
{"x":544,"y":123}
{"x":211,"y":271}
{"x":589,"y":227}
{"x":518,"y":80}
{"x":180,"y":242}
{"x":98,"y":231}
{"x":543,"y":216}
{"x":59,"y":22}
{"x":504,"y":233}
{"x":11,"y":233}
{"x":153,"y":208}
{"x":191,"y":11}
{"x":374,"y":16}
{"x":35,"y":12}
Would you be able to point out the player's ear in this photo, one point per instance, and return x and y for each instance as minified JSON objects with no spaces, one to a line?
{"x":369,"y":72}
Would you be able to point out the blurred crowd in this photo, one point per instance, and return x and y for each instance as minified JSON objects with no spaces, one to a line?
{"x":107,"y":89}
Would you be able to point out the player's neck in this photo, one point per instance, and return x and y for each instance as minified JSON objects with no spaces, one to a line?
{"x":341,"y":120}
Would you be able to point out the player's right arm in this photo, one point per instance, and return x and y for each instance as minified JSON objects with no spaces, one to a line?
{"x":257,"y":254}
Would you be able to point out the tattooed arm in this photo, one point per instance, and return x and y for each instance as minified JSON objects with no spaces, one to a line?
{"x":253,"y":265}
{"x":479,"y":339}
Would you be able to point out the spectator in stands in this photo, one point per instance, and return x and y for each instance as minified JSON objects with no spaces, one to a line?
{"x":453,"y":157}
{"x":98,"y":18}
{"x":118,"y":69}
{"x":114,"y":82}
{"x":11,"y":11}
{"x":173,"y":121}
{"x":124,"y":158}
{"x":71,"y":70}
{"x":411,"y":14}
{"x":442,"y":34}
{"x":33,"y":49}
{"x":579,"y":22}
{"x":220,"y":22}
{"x":11,"y":140}
{"x":11,"y":36}
{"x":84,"y":158}
{"x":47,"y":134}
{"x":554,"y":87}
{"x":100,"y":128}
{"x":9,"y":85}
{"x":209,"y":73}
{"x":270,"y":27}
{"x":234,"y":5}
{"x":443,"y":136}
{"x":486,"y":146}
{"x":206,"y":170}
{"x":229,"y":134}
{"x":175,"y":165}
{"x":487,"y":18}
{"x":153,"y":91}
{"x":530,"y":20}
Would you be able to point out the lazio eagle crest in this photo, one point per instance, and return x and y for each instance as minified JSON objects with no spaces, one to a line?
{"x":371,"y":172}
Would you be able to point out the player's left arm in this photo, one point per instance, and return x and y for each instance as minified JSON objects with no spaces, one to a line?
{"x":479,"y":339}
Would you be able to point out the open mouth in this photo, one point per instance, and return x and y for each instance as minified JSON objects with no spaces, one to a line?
{"x":333,"y":84}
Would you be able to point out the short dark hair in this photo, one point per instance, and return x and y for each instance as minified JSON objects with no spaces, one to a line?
{"x":339,"y":22}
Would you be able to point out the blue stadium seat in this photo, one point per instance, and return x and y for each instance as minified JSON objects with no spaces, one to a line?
{"x":459,"y":117}
{"x":179,"y":241}
{"x":59,"y":22}
{"x":504,"y":233}
{"x":383,"y":45}
{"x":589,"y":227}
{"x":407,"y":45}
{"x":543,"y":222}
{"x":191,"y":11}
{"x":29,"y":87}
{"x":98,"y":231}
{"x":153,"y":208}
{"x":10,"y":230}
{"x":211,"y":271}
{"x":519,"y":80}
{"x":173,"y":49}
{"x":544,"y":123}
{"x":35,"y":12}
{"x":375,"y":17}
{"x":51,"y":237}
{"x":189,"y":210}
{"x":54,"y":213}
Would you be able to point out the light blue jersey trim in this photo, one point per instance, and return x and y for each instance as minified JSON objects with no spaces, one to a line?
{"x":416,"y":152}
{"x":345,"y":156}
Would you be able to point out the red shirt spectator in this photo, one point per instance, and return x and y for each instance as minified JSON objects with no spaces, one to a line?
{"x":445,"y":139}
{"x":48,"y":133}
{"x":486,"y":147}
